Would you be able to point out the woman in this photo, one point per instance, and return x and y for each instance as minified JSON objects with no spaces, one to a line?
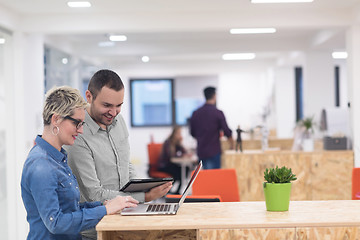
{"x":172,"y":147}
{"x":49,"y":190}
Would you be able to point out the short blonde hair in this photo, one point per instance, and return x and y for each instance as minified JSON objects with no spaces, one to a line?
{"x":62,"y":101}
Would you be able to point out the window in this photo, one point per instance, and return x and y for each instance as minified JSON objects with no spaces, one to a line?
{"x":337,"y":86}
{"x":151,"y":102}
{"x":299,"y":93}
{"x":185,"y":107}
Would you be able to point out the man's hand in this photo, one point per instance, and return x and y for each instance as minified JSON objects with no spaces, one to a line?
{"x":231,"y":143}
{"x":158,"y":192}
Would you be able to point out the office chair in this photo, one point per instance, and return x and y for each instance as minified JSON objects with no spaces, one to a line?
{"x":355,"y":184}
{"x":154,"y":151}
{"x":213,"y":185}
{"x":175,"y":198}
{"x":221,"y":182}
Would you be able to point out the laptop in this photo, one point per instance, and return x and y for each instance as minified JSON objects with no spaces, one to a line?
{"x":162,"y":208}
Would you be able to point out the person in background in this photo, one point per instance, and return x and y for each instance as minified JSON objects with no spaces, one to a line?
{"x":206,"y":123}
{"x":49,"y":189}
{"x":100,"y":157}
{"x":172,"y":147}
{"x":239,"y":139}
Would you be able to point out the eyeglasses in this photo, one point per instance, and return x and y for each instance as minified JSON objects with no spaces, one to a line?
{"x":77,"y":123}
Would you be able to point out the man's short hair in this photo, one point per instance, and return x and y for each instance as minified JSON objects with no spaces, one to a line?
{"x":103,"y":78}
{"x":209,"y":92}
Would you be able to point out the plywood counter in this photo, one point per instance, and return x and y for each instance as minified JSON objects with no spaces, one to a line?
{"x":322,"y":175}
{"x":241,"y":220}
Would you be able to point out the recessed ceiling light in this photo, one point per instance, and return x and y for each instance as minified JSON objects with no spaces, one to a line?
{"x":281,"y":1}
{"x":118,"y":38}
{"x":339,"y":55}
{"x":238,"y":56}
{"x":252,"y":30}
{"x":64,"y":61}
{"x":82,"y":4}
{"x":2,"y":40}
{"x":145,"y":59}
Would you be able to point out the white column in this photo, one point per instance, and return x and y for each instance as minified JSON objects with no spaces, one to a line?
{"x":24,"y":106}
{"x":353,"y":49}
{"x":285,"y":104}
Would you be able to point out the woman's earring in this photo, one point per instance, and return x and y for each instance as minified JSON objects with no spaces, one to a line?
{"x":57,"y":130}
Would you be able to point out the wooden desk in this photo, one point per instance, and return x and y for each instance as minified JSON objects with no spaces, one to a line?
{"x":241,"y":220}
{"x":322,"y":175}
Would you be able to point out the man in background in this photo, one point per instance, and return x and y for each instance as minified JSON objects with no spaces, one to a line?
{"x":100,"y":157}
{"x":206,"y":125}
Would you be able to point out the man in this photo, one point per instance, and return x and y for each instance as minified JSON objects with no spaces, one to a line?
{"x":206,"y":123}
{"x":100,"y":157}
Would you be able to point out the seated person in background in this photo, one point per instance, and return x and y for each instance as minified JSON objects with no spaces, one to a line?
{"x":172,"y":147}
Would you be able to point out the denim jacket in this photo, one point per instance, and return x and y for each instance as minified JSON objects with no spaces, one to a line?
{"x":51,"y":196}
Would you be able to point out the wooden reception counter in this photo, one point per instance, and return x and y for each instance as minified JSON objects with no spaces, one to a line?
{"x":322,"y":175}
{"x":240,"y":220}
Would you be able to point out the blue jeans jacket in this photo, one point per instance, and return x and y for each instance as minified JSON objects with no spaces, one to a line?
{"x":51,"y":196}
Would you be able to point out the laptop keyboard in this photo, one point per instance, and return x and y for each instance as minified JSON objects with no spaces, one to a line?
{"x":158,"y":208}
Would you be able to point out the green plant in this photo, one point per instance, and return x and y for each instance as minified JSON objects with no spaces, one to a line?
{"x":278,"y":175}
{"x":308,"y":123}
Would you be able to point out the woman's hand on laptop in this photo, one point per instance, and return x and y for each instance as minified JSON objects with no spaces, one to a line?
{"x":119,"y":203}
{"x":158,"y":192}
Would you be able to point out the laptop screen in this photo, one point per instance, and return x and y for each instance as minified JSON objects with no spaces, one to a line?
{"x":196,"y":172}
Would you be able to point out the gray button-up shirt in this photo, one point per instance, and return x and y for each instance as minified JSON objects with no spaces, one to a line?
{"x":100,"y":160}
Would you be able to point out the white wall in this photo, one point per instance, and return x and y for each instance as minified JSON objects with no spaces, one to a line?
{"x":285,"y":101}
{"x":318,"y":83}
{"x":242,"y":97}
{"x":353,"y":47}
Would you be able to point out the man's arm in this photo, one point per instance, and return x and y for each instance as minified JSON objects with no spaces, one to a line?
{"x":226,"y":129}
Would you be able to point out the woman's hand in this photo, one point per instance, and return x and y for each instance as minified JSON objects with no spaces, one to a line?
{"x":119,"y":203}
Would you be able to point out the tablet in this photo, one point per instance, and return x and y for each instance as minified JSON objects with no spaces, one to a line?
{"x":144,"y":185}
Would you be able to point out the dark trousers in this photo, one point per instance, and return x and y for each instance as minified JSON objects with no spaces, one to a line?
{"x":213,"y":162}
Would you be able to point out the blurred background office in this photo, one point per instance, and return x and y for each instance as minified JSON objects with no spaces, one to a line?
{"x":290,"y":72}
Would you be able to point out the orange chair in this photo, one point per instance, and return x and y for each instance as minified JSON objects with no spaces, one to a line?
{"x":213,"y":185}
{"x":175,"y":198}
{"x":154,"y":151}
{"x":221,"y":182}
{"x":355,"y":184}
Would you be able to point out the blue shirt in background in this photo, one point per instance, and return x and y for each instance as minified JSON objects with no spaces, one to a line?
{"x":205,"y":125}
{"x":51,"y":196}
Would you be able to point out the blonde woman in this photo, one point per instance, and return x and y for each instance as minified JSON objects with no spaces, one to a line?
{"x":49,"y":189}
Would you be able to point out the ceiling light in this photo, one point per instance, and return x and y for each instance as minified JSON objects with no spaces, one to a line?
{"x":79,"y":4}
{"x":106,"y":44}
{"x":145,"y":59}
{"x":251,"y":30}
{"x":339,"y":55}
{"x":281,"y":1}
{"x":64,"y":61}
{"x":2,"y":40}
{"x":238,"y":56}
{"x":118,"y":38}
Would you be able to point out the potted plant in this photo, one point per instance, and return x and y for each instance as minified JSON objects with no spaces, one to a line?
{"x":307,"y":125}
{"x":277,"y":188}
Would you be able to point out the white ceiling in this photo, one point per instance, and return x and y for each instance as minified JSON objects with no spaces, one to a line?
{"x":174,"y":30}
